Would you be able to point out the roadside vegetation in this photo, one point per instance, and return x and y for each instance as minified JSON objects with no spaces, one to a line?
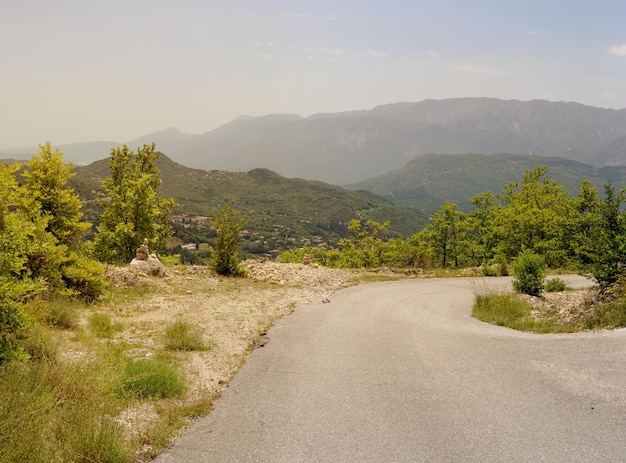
{"x":71,"y":405}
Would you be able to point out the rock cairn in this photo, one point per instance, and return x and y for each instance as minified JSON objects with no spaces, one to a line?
{"x":147,"y":263}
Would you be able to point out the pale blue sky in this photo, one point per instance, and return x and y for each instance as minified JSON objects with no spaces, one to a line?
{"x":81,"y":70}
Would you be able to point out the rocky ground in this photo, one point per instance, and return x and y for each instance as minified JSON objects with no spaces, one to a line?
{"x":569,"y":306}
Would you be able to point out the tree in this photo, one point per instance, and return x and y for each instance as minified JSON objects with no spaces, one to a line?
{"x":17,"y":230}
{"x":228,"y":225}
{"x":46,"y":183}
{"x":448,"y":235}
{"x":586,"y":227}
{"x":363,"y":247}
{"x":133,"y":209}
{"x":481,"y":226}
{"x":537,"y":216}
{"x":606,"y":249}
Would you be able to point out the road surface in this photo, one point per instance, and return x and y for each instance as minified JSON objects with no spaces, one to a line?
{"x":400,"y":372}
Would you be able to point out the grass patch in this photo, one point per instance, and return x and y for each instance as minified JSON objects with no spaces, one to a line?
{"x":102,"y":325}
{"x":41,"y":344}
{"x":180,"y":335}
{"x":57,"y":413}
{"x":508,"y":310}
{"x":56,"y":312}
{"x":171,"y":420}
{"x":606,"y":315}
{"x":146,"y":378}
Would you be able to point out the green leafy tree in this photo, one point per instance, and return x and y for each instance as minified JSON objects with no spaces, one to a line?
{"x":225,"y":260}
{"x":536,"y":215}
{"x":17,"y":230}
{"x":606,"y":248}
{"x":481,"y":222}
{"x":133,"y":209}
{"x":586,"y":227}
{"x":363,"y":247}
{"x":46,"y":182}
{"x":448,"y":235}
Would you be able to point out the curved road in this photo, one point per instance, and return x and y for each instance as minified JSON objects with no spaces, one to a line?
{"x":400,"y":372}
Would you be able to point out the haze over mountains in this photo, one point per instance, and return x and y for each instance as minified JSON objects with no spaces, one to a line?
{"x":349,"y":147}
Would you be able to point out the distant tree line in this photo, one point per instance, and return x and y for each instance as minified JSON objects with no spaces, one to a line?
{"x":587,"y":232}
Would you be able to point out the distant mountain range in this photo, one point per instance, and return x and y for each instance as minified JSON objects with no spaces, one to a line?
{"x":349,"y":147}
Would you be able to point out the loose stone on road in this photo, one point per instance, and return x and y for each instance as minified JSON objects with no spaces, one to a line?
{"x":401,"y":372}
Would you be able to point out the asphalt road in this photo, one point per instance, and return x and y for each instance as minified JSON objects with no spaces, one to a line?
{"x":400,"y":372}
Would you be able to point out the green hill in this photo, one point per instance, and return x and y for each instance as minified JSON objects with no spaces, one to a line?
{"x":279,"y":212}
{"x":428,"y":182}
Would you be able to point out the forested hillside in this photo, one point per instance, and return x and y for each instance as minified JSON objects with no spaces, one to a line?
{"x":279,"y":213}
{"x":428,"y":182}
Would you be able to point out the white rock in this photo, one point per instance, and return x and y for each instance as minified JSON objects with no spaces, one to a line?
{"x":151,"y":266}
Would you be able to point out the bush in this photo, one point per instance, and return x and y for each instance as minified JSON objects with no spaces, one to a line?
{"x":503,"y":268}
{"x":228,"y":226}
{"x":145,"y":378}
{"x":554,"y":285}
{"x":13,"y":326}
{"x":85,"y":277}
{"x":530,"y":271}
{"x":182,"y":336}
{"x":489,"y":271}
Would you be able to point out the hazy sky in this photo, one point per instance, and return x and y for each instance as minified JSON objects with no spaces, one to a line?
{"x":86,"y":70}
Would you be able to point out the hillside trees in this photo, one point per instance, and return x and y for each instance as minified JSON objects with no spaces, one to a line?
{"x":133,"y":209}
{"x":535,"y":217}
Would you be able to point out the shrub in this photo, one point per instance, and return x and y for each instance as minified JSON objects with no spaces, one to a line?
{"x":503,"y":268}
{"x":554,"y":285}
{"x":145,"y":378}
{"x":85,"y":277}
{"x":530,"y":271}
{"x":489,"y":271}
{"x":13,"y":326}
{"x":228,"y":226}
{"x":181,"y":335}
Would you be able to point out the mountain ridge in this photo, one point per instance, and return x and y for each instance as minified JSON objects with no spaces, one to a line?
{"x":352,"y":146}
